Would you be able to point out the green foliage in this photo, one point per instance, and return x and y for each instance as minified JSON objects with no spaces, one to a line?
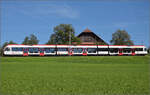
{"x":31,"y":40}
{"x":87,"y":75}
{"x":52,"y":39}
{"x":148,"y":50}
{"x":121,"y":37}
{"x":76,"y":41}
{"x":101,"y":43}
{"x":26,"y":41}
{"x":61,"y":35}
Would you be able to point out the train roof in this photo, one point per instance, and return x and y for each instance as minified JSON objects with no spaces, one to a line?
{"x":77,"y":46}
{"x":67,"y":45}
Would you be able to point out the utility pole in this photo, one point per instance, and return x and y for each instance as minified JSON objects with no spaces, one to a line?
{"x":55,"y":45}
{"x":70,"y":43}
{"x":70,"y":37}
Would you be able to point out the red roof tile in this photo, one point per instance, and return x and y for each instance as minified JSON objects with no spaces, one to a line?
{"x":87,"y":30}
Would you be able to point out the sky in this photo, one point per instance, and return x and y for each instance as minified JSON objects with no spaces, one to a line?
{"x":22,"y":18}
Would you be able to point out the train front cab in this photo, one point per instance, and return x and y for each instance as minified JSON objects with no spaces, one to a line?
{"x":7,"y":51}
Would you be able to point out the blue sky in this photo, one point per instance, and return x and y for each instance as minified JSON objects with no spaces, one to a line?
{"x":22,"y":18}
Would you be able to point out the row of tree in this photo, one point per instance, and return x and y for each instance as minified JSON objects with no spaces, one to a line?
{"x":63,"y":32}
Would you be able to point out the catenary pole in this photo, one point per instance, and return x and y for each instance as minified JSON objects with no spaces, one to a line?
{"x":70,"y":42}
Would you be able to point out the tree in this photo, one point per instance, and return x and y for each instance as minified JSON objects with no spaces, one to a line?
{"x":61,"y":35}
{"x":101,"y":43}
{"x":26,"y":41}
{"x":52,"y":39}
{"x":76,"y":40}
{"x":31,"y":40}
{"x":121,"y":37}
{"x":148,"y":50}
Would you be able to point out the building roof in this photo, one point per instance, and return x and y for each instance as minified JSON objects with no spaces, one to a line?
{"x":87,"y":30}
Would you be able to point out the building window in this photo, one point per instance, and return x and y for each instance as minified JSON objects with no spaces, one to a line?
{"x":87,"y":39}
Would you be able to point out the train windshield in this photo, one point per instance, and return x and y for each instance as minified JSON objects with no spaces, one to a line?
{"x":7,"y":49}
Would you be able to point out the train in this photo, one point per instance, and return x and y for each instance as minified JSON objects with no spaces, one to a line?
{"x":73,"y":50}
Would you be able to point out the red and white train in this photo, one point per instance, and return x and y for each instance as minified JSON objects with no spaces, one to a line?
{"x":47,"y":50}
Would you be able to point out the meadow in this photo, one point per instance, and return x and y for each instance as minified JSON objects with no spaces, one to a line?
{"x":76,"y":75}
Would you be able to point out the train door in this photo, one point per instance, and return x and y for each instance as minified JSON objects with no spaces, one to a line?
{"x":133,"y":51}
{"x":70,"y":51}
{"x":120,"y":52}
{"x":84,"y":51}
{"x":25,"y":52}
{"x":41,"y":51}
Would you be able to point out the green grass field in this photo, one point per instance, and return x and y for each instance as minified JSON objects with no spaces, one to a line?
{"x":84,"y":75}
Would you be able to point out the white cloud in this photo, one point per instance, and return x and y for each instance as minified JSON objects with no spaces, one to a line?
{"x":50,"y":10}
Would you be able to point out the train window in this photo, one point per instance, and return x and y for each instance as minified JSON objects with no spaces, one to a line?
{"x":77,"y":50}
{"x":91,"y":50}
{"x":7,"y":49}
{"x":113,"y":50}
{"x":49,"y":50}
{"x":30,"y":50}
{"x":14,"y":49}
{"x":127,"y":50}
{"x":41,"y":50}
{"x":62,"y":49}
{"x":25,"y":50}
{"x":145,"y":49}
{"x":139,"y":49}
{"x":102,"y":49}
{"x":17,"y":49}
{"x":20,"y":49}
{"x":33,"y":50}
